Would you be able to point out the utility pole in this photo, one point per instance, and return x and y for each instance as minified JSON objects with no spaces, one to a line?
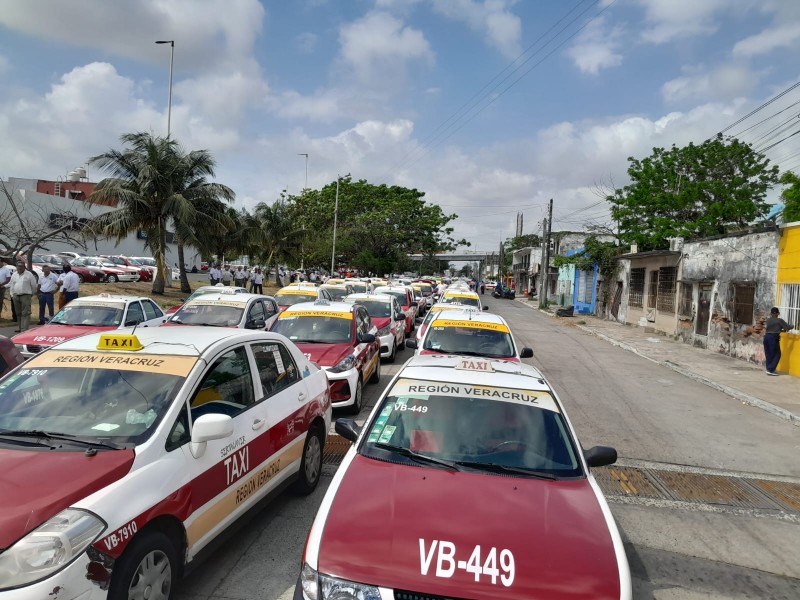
{"x":335,"y":220}
{"x":544,"y":271}
{"x":303,"y":242}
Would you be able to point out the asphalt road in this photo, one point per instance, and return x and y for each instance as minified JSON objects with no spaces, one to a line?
{"x":613,"y":398}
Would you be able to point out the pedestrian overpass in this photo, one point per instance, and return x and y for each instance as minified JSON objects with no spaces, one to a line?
{"x":460,"y":256}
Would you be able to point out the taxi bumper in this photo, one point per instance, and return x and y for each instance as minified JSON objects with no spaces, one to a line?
{"x":70,"y":583}
{"x":388,"y":342}
{"x":343,"y":387}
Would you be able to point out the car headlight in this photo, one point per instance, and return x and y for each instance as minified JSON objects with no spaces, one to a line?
{"x":344,"y":364}
{"x":384,"y":330}
{"x":321,"y":587}
{"x":20,"y":347}
{"x":49,"y":548}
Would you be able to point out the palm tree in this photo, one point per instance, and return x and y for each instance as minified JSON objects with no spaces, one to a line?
{"x":154,"y":183}
{"x":278,"y":236}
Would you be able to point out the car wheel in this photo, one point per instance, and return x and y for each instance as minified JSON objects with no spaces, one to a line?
{"x":355,"y":408}
{"x":311,"y":464}
{"x":147,"y":570}
{"x":376,"y":374}
{"x":112,"y":278}
{"x":80,"y":278}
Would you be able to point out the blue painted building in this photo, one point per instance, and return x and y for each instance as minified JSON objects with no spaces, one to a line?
{"x":584,"y":296}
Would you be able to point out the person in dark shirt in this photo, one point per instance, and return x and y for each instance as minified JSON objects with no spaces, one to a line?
{"x":772,"y":339}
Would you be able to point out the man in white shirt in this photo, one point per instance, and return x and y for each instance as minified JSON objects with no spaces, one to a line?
{"x":257,"y":282}
{"x":23,"y":286}
{"x":226,"y":275}
{"x":48,"y":284}
{"x":69,"y":283}
{"x":215,"y":274}
{"x":5,"y":276}
{"x":240,"y":277}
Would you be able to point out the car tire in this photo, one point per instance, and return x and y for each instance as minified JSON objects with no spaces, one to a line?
{"x":393,"y":355}
{"x":151,"y":561}
{"x":311,"y":463}
{"x":112,"y":278}
{"x":80,"y":278}
{"x":355,"y":408}
{"x":376,"y":374}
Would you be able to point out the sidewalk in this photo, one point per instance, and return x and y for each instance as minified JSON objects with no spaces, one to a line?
{"x":744,"y":381}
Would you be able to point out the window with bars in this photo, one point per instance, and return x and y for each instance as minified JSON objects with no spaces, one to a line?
{"x":744,"y":295}
{"x":652,"y":290}
{"x":667,"y":282}
{"x":685,"y":301}
{"x":636,"y":288}
{"x":587,"y":287}
{"x":790,"y":304}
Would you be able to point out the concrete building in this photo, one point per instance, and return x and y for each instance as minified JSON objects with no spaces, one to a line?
{"x":788,"y":282}
{"x":525,"y":265}
{"x":54,"y":201}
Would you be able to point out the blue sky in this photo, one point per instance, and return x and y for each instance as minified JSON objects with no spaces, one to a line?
{"x":365,"y":87}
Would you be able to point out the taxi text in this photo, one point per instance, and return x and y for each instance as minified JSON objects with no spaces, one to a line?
{"x":447,"y":563}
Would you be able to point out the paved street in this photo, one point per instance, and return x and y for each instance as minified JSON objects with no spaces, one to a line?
{"x":655,"y":418}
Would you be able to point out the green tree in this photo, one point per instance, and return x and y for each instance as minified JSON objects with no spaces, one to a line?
{"x":153,"y":183}
{"x":278,"y":238}
{"x":377,"y":225}
{"x":691,"y":192}
{"x":791,"y":197}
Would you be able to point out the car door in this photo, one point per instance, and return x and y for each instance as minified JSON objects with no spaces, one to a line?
{"x":226,"y":475}
{"x":365,"y":353}
{"x":255,"y":318}
{"x":134,"y":314}
{"x":271,"y":311}
{"x":153,"y":315}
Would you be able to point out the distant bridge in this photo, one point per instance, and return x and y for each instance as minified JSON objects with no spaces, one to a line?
{"x":463,"y":256}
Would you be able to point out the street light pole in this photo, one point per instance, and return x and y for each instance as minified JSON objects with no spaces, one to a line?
{"x":335,"y":220}
{"x":306,"y":155}
{"x":171,"y":62}
{"x":303,"y":245}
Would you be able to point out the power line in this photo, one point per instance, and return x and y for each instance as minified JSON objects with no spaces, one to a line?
{"x":758,"y":109}
{"x":772,"y":116}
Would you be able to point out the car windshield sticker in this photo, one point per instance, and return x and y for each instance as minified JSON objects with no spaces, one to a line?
{"x":453,"y":295}
{"x":472,"y":325}
{"x":106,"y":426}
{"x":166,"y":365}
{"x":278,"y":360}
{"x":234,"y":303}
{"x":387,"y":434}
{"x":316,"y":313}
{"x":380,"y":423}
{"x":95,"y":303}
{"x":405,"y":388}
{"x":297,"y":292}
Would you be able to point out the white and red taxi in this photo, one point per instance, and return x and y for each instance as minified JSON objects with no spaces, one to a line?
{"x":467,"y":481}
{"x":90,"y":314}
{"x":462,"y":296}
{"x":469,"y":332}
{"x":219,"y":288}
{"x":163,"y":442}
{"x":296,"y":293}
{"x":405,"y":297}
{"x":388,"y":317}
{"x":340,"y":337}
{"x":241,"y":310}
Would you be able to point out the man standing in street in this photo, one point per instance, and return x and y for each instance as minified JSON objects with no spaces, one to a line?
{"x":257,"y":282}
{"x":240,"y":277}
{"x":226,"y":275}
{"x":23,"y":286}
{"x":772,"y":339}
{"x":5,"y":276}
{"x":48,"y":284}
{"x":214,"y":274}
{"x":69,"y":283}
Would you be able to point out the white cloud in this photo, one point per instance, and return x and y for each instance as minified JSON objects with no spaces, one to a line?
{"x":671,"y":19}
{"x":785,"y":35}
{"x":5,"y":66}
{"x":596,"y":47}
{"x":501,"y":28}
{"x":378,"y":46}
{"x":306,"y":42}
{"x":724,"y":82}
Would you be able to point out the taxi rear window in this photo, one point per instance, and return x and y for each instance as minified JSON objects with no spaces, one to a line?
{"x":470,"y":424}
{"x":295,"y":298}
{"x":470,"y":338}
{"x":214,"y":314}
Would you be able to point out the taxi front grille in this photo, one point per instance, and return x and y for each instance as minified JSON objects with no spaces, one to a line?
{"x":401,"y":595}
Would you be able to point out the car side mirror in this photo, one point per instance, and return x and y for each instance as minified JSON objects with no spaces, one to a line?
{"x":348,"y":429}
{"x":526,"y":353}
{"x":209,"y":427}
{"x":411,"y":343}
{"x":132,"y":322}
{"x":399,"y":317}
{"x":366,"y":338}
{"x":256,"y":324}
{"x":600,"y":456}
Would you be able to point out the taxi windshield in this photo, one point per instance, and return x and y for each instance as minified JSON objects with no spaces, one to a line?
{"x":358,"y":287}
{"x":314,"y":329}
{"x":211,"y":315}
{"x":123,"y":406}
{"x":376,"y":308}
{"x":337,"y":293}
{"x":402,"y":297}
{"x":104,"y":314}
{"x":467,"y":300}
{"x":460,"y":338}
{"x":211,"y":290}
{"x":505,"y":430}
{"x":292,"y":299}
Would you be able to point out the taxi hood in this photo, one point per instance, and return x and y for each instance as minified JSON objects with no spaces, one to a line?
{"x":47,"y":335}
{"x":381,"y":321}
{"x":403,"y":533}
{"x":325,"y":355}
{"x":38,"y":484}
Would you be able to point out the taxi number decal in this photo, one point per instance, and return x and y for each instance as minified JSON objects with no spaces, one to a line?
{"x":307,"y":355}
{"x":316,"y":313}
{"x":123,"y":534}
{"x":447,"y":564}
{"x":402,"y":407}
{"x":53,"y":339}
{"x":237,"y":465}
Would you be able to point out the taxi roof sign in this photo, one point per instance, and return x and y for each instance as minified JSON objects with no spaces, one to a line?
{"x":475,"y":364}
{"x":119,"y":341}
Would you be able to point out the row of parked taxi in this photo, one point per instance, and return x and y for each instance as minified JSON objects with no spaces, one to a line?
{"x":131,"y":438}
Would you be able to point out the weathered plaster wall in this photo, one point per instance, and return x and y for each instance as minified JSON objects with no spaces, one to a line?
{"x":745,"y":259}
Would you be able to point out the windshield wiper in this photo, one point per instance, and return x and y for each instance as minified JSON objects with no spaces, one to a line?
{"x":53,"y":435}
{"x":423,"y":458}
{"x":498,"y":468}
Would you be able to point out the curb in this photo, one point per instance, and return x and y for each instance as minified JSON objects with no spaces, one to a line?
{"x":734,"y":393}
